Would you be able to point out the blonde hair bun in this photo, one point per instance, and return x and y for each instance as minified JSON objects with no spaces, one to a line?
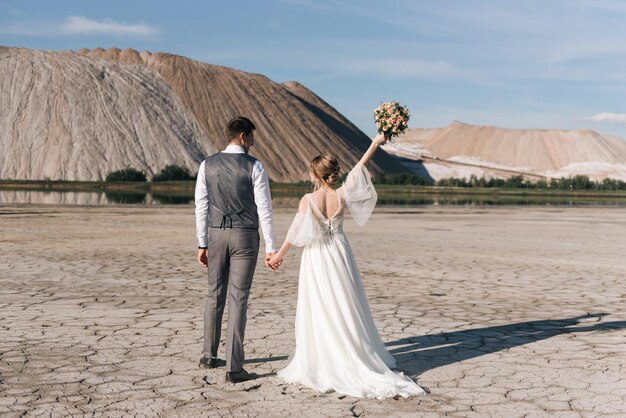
{"x":332,"y":178}
{"x":326,"y":168}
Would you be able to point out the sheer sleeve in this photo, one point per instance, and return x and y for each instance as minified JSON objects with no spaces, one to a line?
{"x":360,"y":194}
{"x":303,"y":229}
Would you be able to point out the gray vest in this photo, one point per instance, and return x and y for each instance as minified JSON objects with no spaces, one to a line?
{"x":231,"y":191}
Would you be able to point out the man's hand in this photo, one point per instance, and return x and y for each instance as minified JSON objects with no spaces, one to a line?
{"x":202,"y":257}
{"x":268,"y":256}
{"x":268,"y":264}
{"x":275,"y":261}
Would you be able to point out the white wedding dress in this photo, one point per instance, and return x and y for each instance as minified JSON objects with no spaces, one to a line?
{"x":337,"y":344}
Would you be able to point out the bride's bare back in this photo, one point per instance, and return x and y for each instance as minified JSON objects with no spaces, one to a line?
{"x":327,"y":201}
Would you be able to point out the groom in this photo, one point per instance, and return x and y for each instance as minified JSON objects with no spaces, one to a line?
{"x":232,"y":199}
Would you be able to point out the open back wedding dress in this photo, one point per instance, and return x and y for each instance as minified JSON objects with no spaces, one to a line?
{"x":337,"y":344}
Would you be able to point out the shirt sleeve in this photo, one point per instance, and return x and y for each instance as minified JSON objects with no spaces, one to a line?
{"x":304,"y":229}
{"x":360,"y":194}
{"x":263,"y":200}
{"x":202,"y":208}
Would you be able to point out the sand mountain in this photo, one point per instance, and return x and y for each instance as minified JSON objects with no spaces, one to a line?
{"x":459,"y":150}
{"x":80,"y":115}
{"x":293,"y":123}
{"x":66,"y":116}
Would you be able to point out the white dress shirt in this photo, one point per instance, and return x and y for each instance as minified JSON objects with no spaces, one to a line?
{"x":262,"y":198}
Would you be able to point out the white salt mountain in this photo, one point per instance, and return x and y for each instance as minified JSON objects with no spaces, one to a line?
{"x":80,"y":115}
{"x":460,"y":150}
{"x":66,"y":116}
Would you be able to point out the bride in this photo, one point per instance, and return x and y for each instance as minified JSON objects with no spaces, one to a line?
{"x":337,"y":344}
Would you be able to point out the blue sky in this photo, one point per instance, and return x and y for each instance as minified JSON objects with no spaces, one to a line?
{"x":517,"y":64}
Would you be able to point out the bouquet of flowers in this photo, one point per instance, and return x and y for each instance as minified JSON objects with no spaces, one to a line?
{"x":391,"y":119}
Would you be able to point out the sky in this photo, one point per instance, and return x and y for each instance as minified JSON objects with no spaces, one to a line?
{"x":552,"y":64}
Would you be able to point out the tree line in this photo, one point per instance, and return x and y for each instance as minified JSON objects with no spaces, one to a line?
{"x":578,"y":182}
{"x":169,"y":173}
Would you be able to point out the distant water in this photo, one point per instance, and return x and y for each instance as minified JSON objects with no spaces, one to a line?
{"x":22,"y":197}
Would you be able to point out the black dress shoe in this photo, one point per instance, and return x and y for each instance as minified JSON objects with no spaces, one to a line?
{"x":240,"y":376}
{"x":208,"y":362}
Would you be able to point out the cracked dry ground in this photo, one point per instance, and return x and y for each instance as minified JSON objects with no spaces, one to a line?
{"x":500,"y":312}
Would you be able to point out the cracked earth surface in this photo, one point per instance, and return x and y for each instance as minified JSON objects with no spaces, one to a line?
{"x":504,"y":312}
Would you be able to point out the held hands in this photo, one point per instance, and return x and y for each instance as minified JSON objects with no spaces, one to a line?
{"x":268,"y":256}
{"x":273,"y":261}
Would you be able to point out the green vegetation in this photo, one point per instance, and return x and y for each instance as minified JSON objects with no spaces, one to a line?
{"x":127,"y":174}
{"x":401,"y":178}
{"x":578,"y":182}
{"x":173,"y":173}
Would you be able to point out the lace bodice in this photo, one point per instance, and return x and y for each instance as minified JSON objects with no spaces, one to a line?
{"x":328,"y":226}
{"x":357,"y":194}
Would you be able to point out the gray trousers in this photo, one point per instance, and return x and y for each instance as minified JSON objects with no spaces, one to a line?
{"x":232,"y":257}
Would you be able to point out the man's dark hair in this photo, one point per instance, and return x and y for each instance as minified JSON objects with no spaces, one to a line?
{"x":238,"y":125}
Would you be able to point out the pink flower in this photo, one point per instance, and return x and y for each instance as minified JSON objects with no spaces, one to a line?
{"x":391,"y":118}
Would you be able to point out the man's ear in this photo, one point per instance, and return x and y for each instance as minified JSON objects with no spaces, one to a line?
{"x":242,"y":137}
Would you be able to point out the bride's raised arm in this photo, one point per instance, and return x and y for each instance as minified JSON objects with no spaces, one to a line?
{"x":358,"y":189}
{"x":376,"y":142}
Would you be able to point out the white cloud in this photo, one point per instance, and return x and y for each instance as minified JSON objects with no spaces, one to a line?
{"x":311,"y":4}
{"x":608,"y":117}
{"x":83,"y":25}
{"x":612,"y":6}
{"x":77,"y":25}
{"x":396,"y":67}
{"x":8,"y":9}
{"x":22,"y":30}
{"x":586,"y":50}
